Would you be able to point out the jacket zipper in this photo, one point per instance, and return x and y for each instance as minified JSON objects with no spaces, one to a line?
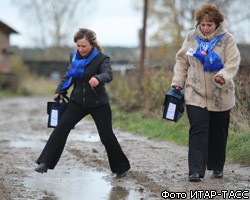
{"x":95,"y":94}
{"x":205,"y":81}
{"x":83,"y":99}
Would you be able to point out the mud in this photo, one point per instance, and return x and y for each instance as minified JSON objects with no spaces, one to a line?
{"x":83,"y":171}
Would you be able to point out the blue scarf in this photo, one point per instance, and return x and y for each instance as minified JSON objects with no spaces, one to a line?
{"x":204,"y":53}
{"x":77,"y":68}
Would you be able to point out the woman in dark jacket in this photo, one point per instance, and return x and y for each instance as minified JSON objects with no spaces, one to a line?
{"x":89,"y":71}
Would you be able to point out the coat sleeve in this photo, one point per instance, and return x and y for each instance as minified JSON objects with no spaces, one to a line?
{"x":65,"y":79}
{"x":231,"y":62}
{"x":60,"y":88}
{"x":105,"y":75}
{"x":181,"y":65}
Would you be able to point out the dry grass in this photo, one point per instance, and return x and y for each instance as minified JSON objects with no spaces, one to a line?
{"x":147,"y":95}
{"x":38,"y":86}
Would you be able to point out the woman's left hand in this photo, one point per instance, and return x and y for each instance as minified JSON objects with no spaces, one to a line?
{"x":93,"y":82}
{"x":219,"y":80}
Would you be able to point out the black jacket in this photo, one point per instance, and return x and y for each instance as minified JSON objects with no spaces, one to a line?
{"x":82,"y":92}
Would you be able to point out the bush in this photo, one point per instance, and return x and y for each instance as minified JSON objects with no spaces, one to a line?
{"x":27,"y":83}
{"x":147,"y":95}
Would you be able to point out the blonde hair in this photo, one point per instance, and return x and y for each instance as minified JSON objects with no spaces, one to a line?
{"x":88,"y":35}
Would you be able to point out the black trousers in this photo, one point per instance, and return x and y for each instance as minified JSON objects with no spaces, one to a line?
{"x":207,"y":139}
{"x":102,"y":116}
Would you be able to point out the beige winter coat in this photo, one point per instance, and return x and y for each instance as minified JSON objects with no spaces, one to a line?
{"x":200,"y":88}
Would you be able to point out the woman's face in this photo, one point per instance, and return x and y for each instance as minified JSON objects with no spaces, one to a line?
{"x":207,"y":28}
{"x":83,"y":47}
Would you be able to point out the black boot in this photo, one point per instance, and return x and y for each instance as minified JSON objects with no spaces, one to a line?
{"x":41,"y":168}
{"x":217,"y":174}
{"x":195,"y":177}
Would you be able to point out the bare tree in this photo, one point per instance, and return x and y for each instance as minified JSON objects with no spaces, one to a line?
{"x":143,"y":39}
{"x":174,"y":17}
{"x":53,"y":20}
{"x":169,"y":20}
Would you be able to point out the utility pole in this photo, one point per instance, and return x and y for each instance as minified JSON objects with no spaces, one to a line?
{"x":143,"y":39}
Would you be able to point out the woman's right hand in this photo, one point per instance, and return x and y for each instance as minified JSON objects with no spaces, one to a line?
{"x":58,"y":96}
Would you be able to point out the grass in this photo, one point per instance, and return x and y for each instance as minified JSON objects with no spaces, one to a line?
{"x":4,"y":94}
{"x":238,"y":146}
{"x":158,"y":129}
{"x":39,"y":86}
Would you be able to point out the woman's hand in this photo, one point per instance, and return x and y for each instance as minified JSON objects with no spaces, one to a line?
{"x":93,"y":82}
{"x":58,"y":96}
{"x":177,"y":87}
{"x":219,"y":80}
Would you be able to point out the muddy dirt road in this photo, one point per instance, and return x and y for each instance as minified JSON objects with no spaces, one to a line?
{"x":83,"y":171}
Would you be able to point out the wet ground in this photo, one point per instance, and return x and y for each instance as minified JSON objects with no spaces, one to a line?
{"x":83,"y":171}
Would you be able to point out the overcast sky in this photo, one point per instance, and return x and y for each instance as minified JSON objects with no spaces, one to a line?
{"x":115,"y":22}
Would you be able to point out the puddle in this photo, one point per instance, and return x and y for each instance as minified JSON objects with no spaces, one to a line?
{"x":120,"y":193}
{"x":73,"y":183}
{"x":33,"y":141}
{"x":26,"y":142}
{"x":78,"y":185}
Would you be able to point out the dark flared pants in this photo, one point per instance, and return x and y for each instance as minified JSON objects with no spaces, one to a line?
{"x":103,"y":119}
{"x":207,"y":139}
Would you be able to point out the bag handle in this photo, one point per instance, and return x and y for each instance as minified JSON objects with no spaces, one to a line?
{"x":57,"y":99}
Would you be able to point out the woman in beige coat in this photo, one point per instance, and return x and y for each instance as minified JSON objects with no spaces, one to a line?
{"x":205,"y":67}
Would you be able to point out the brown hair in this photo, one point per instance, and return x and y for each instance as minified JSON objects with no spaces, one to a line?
{"x":210,"y":13}
{"x":88,"y":35}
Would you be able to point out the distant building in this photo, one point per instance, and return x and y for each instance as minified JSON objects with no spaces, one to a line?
{"x":5,"y":51}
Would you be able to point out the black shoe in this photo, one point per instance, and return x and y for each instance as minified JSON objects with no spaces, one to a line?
{"x":217,"y":174}
{"x":121,"y":174}
{"x":195,"y":177}
{"x":41,"y":168}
